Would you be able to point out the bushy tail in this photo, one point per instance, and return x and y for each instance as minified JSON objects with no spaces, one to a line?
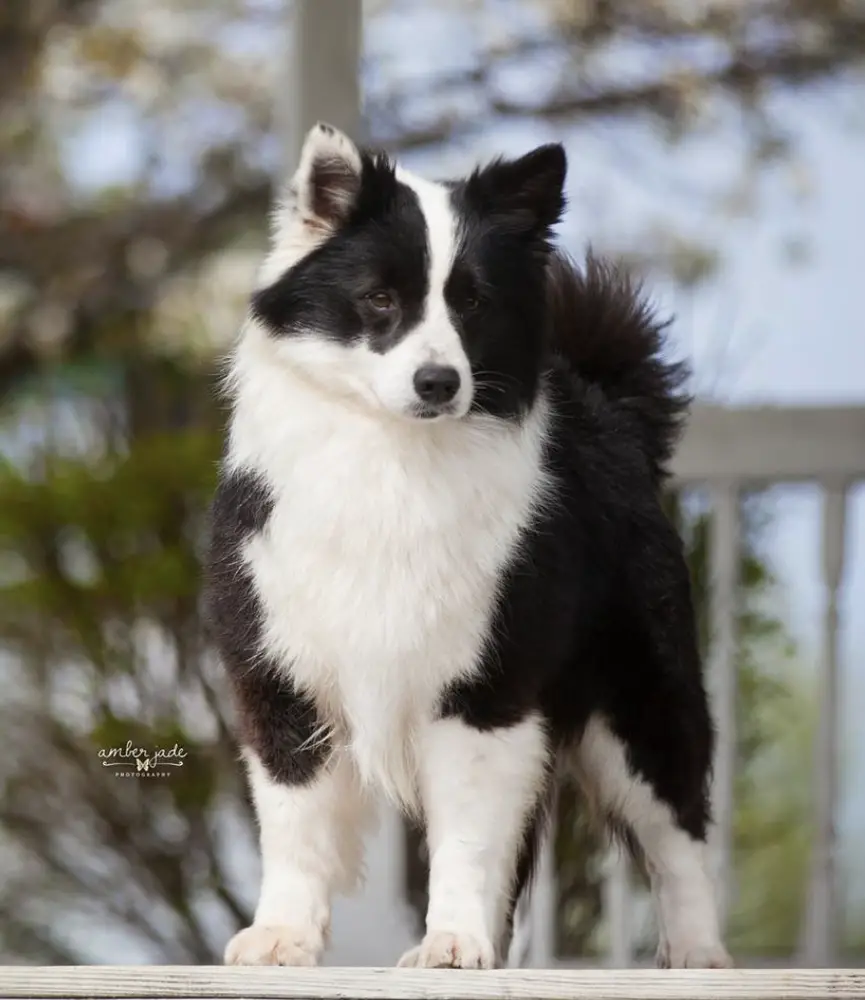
{"x":607,"y":331}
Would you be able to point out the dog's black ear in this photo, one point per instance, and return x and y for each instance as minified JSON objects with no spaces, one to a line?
{"x":529,"y":190}
{"x":327,"y":181}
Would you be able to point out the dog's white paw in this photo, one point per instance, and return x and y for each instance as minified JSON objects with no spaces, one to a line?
{"x":445,"y":950}
{"x":687,"y":956}
{"x":275,"y":945}
{"x":410,"y":958}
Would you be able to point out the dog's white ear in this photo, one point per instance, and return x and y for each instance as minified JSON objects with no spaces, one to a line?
{"x":327,"y":180}
{"x":316,"y":202}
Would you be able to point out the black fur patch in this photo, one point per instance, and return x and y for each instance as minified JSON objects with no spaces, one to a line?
{"x":506,"y":211}
{"x":382,"y":245}
{"x":595,"y":615}
{"x":276,"y":721}
{"x":607,"y":332}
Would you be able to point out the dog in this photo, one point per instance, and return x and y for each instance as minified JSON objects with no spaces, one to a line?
{"x":439,"y":567}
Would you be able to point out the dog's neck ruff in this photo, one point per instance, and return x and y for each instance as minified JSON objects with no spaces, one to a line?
{"x":275,"y":402}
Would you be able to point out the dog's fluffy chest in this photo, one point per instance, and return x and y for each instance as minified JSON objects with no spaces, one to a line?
{"x":381,"y":562}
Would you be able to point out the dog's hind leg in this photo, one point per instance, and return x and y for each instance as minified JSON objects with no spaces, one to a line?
{"x":669,"y":834}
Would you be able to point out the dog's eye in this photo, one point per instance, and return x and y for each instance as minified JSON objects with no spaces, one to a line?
{"x":381,"y":301}
{"x":471,"y":302}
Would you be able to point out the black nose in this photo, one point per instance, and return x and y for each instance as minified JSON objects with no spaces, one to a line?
{"x":436,"y":383}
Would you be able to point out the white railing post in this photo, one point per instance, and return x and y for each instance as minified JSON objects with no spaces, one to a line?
{"x":542,"y":940}
{"x":519,"y":955}
{"x":618,"y":906}
{"x":322,"y":70}
{"x":822,"y":917}
{"x":723,"y":612}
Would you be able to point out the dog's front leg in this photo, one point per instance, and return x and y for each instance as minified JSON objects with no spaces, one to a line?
{"x":479,"y":792}
{"x":311,"y":813}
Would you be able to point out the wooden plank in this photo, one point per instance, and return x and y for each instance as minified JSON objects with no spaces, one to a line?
{"x":772,"y":444}
{"x":141,"y":983}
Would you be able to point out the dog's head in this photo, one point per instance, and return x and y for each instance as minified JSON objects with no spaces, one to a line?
{"x":421,"y":299}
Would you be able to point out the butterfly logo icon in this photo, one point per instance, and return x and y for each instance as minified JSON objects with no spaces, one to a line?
{"x":143,"y":764}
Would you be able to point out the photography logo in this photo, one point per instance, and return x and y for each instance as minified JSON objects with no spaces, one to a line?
{"x":131,"y":761}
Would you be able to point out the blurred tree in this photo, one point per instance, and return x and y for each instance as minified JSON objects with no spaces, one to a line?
{"x":137,"y":144}
{"x":681,"y":59}
{"x":137,"y":139}
{"x":102,"y":644}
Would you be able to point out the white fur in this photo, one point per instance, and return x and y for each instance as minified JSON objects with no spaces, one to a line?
{"x":355,"y":372}
{"x":435,"y":339}
{"x":478,"y":790}
{"x":296,"y":229}
{"x":311,"y":846}
{"x":381,"y":560}
{"x":681,"y":886}
{"x":378,"y":573}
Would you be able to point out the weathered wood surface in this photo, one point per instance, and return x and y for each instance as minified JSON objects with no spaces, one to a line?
{"x":140,"y":982}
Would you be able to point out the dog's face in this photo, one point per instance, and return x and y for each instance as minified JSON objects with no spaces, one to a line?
{"x":420,"y":299}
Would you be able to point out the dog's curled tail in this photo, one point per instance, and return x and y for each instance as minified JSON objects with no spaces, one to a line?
{"x":607,"y":331}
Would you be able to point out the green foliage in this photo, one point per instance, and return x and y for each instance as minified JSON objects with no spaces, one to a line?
{"x":99,"y":593}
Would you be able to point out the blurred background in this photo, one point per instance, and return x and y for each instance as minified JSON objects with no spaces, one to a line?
{"x":717,"y":146}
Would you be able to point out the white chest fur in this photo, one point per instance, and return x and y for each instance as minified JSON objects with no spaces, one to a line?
{"x":380,"y":564}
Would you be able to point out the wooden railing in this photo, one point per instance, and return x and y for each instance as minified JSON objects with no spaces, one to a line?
{"x":726,"y":451}
{"x":164,"y":982}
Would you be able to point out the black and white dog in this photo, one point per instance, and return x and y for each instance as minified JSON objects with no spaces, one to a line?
{"x":439,"y":567}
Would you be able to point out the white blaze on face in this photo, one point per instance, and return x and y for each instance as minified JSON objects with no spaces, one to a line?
{"x":435,"y":340}
{"x":317,"y":201}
